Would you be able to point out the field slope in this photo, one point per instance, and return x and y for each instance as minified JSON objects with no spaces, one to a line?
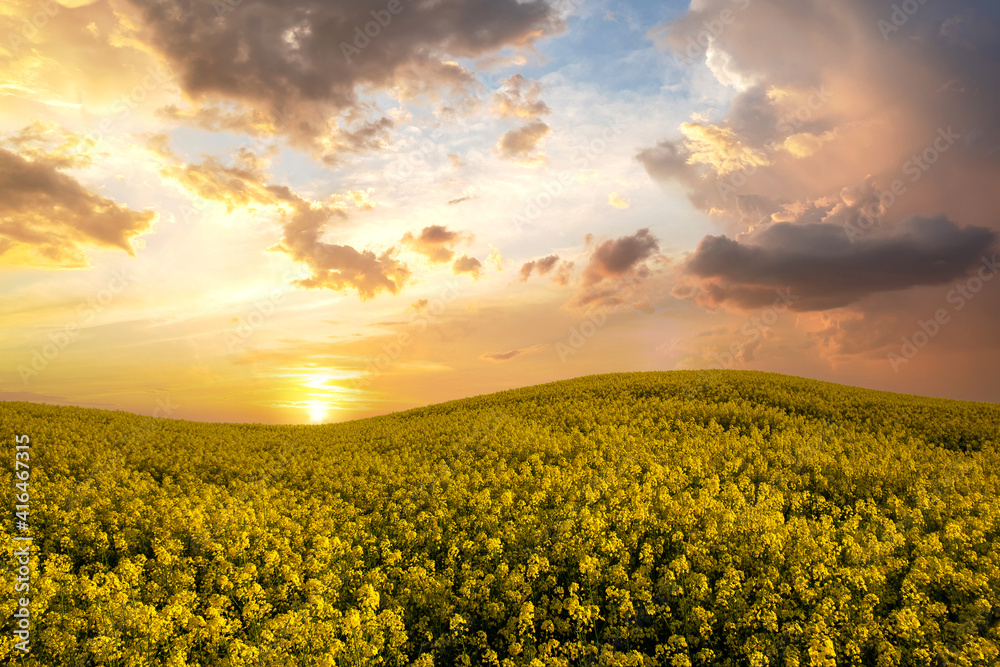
{"x":676,"y":518}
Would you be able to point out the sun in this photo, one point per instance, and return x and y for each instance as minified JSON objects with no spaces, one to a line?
{"x":317,"y":411}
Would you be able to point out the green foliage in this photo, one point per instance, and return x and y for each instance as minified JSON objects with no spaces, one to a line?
{"x":676,"y":519}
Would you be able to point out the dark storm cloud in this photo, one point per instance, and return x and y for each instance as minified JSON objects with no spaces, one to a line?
{"x":296,"y":67}
{"x":834,"y":93}
{"x":618,"y":273}
{"x":619,"y":257}
{"x":819,"y":264}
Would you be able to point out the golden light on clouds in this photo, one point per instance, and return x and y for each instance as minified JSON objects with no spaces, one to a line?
{"x":618,"y":200}
{"x":335,"y":216}
{"x":805,"y":144}
{"x":721,"y":148}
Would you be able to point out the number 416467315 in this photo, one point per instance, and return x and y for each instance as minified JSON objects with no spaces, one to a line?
{"x":23,"y":473}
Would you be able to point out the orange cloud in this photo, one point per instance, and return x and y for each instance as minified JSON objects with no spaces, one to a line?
{"x":518,"y":98}
{"x":541,"y":266}
{"x":436,"y":242}
{"x":517,"y":144}
{"x":49,"y":218}
{"x":243,"y":185}
{"x":466,"y":264}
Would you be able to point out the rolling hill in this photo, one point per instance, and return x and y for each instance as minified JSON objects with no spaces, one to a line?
{"x":670,"y":518}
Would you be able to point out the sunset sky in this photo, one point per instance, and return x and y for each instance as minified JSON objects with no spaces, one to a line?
{"x":252,"y":210}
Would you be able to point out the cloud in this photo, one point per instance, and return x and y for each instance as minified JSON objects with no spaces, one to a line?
{"x":563,"y":274}
{"x":336,"y":267}
{"x":618,"y":273}
{"x":805,"y":144}
{"x":240,"y":186}
{"x":887,"y":138}
{"x":342,"y":267}
{"x":518,"y":143}
{"x":616,"y":258}
{"x":436,"y":242}
{"x":539,"y":266}
{"x":466,"y":264}
{"x":559,"y":273}
{"x":823,"y":269}
{"x":83,"y":60}
{"x":329,"y":146}
{"x":839,"y":113}
{"x":618,"y":200}
{"x":47,"y":217}
{"x":296,"y":68}
{"x":518,"y":98}
{"x":495,"y":258}
{"x":52,"y":144}
{"x":510,"y":354}
{"x":721,"y":148}
{"x":502,"y":356}
{"x":245,"y":185}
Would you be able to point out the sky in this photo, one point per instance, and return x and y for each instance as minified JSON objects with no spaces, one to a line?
{"x":309,"y":211}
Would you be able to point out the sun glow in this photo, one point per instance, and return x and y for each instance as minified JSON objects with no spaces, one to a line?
{"x":321,"y":393}
{"x":317,"y":411}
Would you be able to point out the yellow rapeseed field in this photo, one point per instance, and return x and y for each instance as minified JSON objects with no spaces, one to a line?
{"x":677,"y":518}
